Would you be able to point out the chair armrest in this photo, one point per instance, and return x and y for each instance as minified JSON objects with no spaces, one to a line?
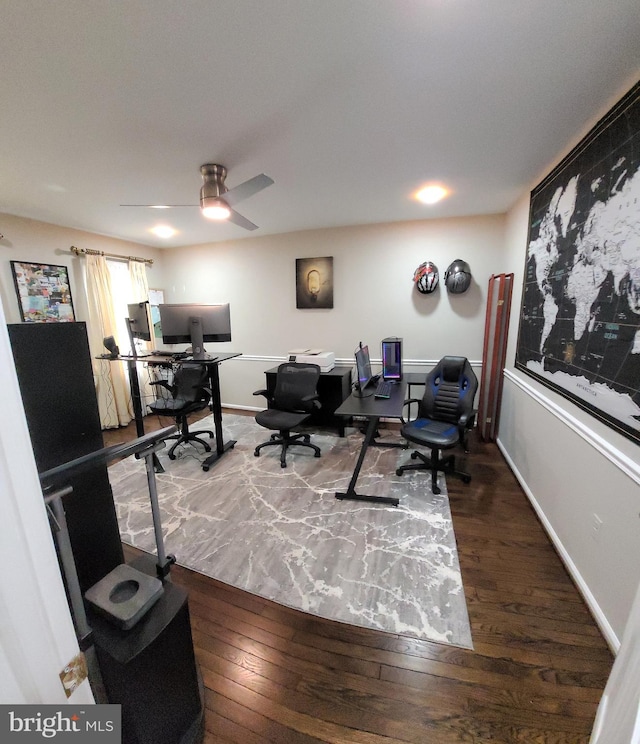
{"x":466,"y":420}
{"x":408,"y":403}
{"x":162,"y":383}
{"x":265,"y":393}
{"x":312,"y":399}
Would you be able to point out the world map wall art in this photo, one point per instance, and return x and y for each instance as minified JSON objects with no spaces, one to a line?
{"x":580,"y":319}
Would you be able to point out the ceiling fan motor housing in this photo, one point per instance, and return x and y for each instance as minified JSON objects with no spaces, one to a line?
{"x":213,"y":187}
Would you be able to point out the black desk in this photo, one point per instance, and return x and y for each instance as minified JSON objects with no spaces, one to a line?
{"x":414,"y":378}
{"x":216,"y":407}
{"x":373,"y":409}
{"x":216,"y":401}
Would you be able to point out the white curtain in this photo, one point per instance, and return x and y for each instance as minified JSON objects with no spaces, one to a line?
{"x":112,"y":388}
{"x":140,"y":293}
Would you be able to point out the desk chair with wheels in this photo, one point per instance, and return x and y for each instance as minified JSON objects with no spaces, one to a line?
{"x":444,"y":417}
{"x":294,"y":399}
{"x":189,"y":393}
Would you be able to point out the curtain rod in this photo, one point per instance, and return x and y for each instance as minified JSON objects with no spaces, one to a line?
{"x":91,"y":252}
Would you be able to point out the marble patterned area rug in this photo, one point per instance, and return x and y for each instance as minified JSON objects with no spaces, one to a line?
{"x":280,"y":533}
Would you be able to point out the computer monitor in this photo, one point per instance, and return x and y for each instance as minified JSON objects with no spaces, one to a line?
{"x":392,"y":359}
{"x":189,"y":323}
{"x":363,"y":370}
{"x":137,"y":321}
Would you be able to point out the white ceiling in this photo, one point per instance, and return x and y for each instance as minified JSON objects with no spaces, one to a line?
{"x":349,"y":105}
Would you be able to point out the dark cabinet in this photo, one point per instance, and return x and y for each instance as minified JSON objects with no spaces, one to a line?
{"x":333,"y":388}
{"x":55,"y":376}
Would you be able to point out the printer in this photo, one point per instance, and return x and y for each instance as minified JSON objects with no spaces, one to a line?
{"x":326,"y":360}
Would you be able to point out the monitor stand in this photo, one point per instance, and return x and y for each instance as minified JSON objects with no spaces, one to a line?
{"x":197,"y":339}
{"x":359,"y":393}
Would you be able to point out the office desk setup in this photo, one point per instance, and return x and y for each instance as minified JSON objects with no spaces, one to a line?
{"x":214,"y":384}
{"x":372,"y":409}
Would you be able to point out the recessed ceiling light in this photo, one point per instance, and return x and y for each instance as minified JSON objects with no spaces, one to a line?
{"x":431,"y":194}
{"x":163,"y":231}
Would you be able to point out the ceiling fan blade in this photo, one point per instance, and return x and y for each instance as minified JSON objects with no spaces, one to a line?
{"x":247,"y":188}
{"x":160,"y":206}
{"x":239,"y":220}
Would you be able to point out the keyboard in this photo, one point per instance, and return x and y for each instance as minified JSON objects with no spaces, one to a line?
{"x":383,"y":389}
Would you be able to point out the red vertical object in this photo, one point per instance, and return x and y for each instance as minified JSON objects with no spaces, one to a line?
{"x":494,"y":354}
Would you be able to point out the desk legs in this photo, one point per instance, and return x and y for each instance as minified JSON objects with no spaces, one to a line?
{"x":216,"y":409}
{"x":350,"y":493}
{"x":138,"y":415}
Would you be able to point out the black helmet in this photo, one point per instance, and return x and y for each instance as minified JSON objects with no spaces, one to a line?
{"x":426,"y":277}
{"x":457,"y":277}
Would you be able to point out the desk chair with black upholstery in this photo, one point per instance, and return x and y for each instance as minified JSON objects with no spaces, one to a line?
{"x":444,"y":417}
{"x":189,"y":393}
{"x":294,"y":399}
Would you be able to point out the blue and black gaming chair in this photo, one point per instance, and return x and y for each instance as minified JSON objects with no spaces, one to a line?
{"x":444,"y":417}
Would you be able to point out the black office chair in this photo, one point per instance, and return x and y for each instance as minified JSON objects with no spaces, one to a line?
{"x":189,"y":393}
{"x":294,"y":399}
{"x":444,"y":417}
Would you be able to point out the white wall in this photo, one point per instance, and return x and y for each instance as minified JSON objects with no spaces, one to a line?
{"x":374,"y":295}
{"x":37,"y":638}
{"x":40,"y":242}
{"x":573,"y":467}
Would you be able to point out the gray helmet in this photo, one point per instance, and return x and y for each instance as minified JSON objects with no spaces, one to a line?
{"x":426,"y":277}
{"x":457,"y":277}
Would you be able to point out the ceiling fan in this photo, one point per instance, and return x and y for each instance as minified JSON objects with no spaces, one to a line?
{"x":216,"y":200}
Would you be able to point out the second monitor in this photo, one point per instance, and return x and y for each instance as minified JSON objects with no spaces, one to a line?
{"x":138,"y":326}
{"x":392,"y":359}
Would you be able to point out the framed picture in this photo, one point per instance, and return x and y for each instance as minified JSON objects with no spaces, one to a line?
{"x":580,"y":317}
{"x":314,"y":282}
{"x":44,"y":292}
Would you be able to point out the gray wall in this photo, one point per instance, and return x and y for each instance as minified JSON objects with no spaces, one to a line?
{"x":374,"y":295}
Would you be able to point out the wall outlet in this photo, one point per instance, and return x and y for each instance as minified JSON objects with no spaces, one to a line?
{"x":596,"y":524}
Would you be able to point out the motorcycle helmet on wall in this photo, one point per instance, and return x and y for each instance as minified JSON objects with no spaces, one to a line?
{"x":426,"y":277}
{"x":457,"y":277}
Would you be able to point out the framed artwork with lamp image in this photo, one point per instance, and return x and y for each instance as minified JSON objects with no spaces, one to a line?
{"x":314,"y":282}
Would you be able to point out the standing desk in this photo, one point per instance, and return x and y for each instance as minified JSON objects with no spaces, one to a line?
{"x":216,"y":401}
{"x":216,"y":406}
{"x":372,"y":409}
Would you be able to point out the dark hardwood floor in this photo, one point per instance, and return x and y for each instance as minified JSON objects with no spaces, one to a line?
{"x":536,"y":673}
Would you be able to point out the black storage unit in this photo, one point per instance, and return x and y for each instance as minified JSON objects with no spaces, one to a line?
{"x":55,"y":375}
{"x":151,"y":671}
